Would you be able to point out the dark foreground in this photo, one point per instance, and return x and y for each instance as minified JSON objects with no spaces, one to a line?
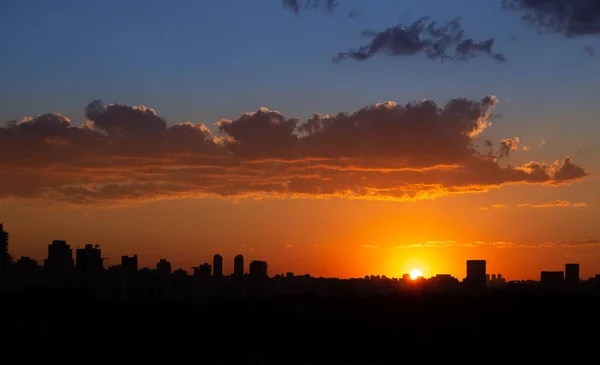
{"x":395,"y":329}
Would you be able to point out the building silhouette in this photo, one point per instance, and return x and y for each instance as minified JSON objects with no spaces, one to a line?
{"x":4,"y":256}
{"x":218,"y":265}
{"x":202,"y":271}
{"x":129,"y":263}
{"x":572,"y":274}
{"x":238,"y":266}
{"x":552,"y":279}
{"x":163,"y":267}
{"x":60,"y":258}
{"x":89,"y":259}
{"x":476,"y":274}
{"x":258,"y":269}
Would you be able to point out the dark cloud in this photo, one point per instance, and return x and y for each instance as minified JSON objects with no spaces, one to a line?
{"x":297,"y":5}
{"x":435,"y":41}
{"x":507,"y":145}
{"x":589,"y":50}
{"x":386,"y":151}
{"x":571,"y":18}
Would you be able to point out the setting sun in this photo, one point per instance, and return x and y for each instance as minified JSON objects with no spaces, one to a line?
{"x":415,"y":273}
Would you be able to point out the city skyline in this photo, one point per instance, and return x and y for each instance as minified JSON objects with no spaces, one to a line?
{"x":338,"y":139}
{"x":61,"y":258}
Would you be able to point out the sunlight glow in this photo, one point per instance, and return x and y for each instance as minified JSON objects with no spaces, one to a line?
{"x":415,"y":274}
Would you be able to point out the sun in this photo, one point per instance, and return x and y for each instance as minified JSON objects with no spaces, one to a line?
{"x":415,"y":274}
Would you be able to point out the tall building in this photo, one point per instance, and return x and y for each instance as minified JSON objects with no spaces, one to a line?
{"x":238,"y":265}
{"x":258,"y":269}
{"x":60,"y":258}
{"x":4,"y":257}
{"x":218,"y":265}
{"x":89,"y":259}
{"x":163,"y":267}
{"x":572,"y":274}
{"x":129,"y":263}
{"x":552,"y":279}
{"x":202,"y":271}
{"x":476,"y":274}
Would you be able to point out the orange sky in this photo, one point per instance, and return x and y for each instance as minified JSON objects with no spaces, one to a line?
{"x":384,"y":190}
{"x":331,"y":237}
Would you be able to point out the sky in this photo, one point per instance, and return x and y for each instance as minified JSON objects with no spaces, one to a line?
{"x":234,"y":127}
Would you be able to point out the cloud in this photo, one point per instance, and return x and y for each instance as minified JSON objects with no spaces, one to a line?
{"x":507,"y":145}
{"x":385,"y":151}
{"x":556,"y":203}
{"x":297,"y":5}
{"x":526,"y":148}
{"x":591,"y":51}
{"x":288,"y":245}
{"x":505,"y":244}
{"x":553,"y":204}
{"x":428,"y":244}
{"x":447,"y":41}
{"x":542,"y":144}
{"x":571,"y":18}
{"x":368,"y":246}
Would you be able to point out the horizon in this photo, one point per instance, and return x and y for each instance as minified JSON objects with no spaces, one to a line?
{"x":336,"y":141}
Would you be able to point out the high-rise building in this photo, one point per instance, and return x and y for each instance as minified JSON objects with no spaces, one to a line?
{"x":89,"y":259}
{"x":163,"y":267}
{"x":202,"y":271}
{"x":258,"y":269}
{"x":572,"y":274}
{"x":129,"y":263}
{"x":4,"y":257}
{"x":218,"y":265}
{"x":238,"y":266}
{"x":476,"y":274}
{"x":552,"y":279}
{"x":60,"y":258}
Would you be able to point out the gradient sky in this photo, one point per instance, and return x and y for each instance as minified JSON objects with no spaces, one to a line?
{"x":202,"y":61}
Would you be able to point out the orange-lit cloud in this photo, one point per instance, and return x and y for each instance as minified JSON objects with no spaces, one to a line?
{"x":503,"y":244}
{"x":556,"y":203}
{"x":384,"y":151}
{"x":553,"y":204}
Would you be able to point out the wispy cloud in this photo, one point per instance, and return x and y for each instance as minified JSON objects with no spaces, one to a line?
{"x":570,"y":18}
{"x":445,"y":41}
{"x":287,"y":245}
{"x":502,"y":244}
{"x":553,"y":204}
{"x":369,"y":246}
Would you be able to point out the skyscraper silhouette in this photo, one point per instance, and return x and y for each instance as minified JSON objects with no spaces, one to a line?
{"x":202,"y":270}
{"x":476,"y":274}
{"x":218,"y":265}
{"x":129,"y":263}
{"x":572,"y":274}
{"x":60,"y":258}
{"x":238,"y":266}
{"x":163,"y":267}
{"x":258,"y":269}
{"x":4,"y":257}
{"x":89,"y":259}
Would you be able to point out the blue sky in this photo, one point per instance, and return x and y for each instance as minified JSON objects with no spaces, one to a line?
{"x":207,"y":60}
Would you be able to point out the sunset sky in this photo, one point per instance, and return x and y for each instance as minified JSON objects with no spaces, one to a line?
{"x":238,"y":126}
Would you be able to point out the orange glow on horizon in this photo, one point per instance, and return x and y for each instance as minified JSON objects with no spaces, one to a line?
{"x":415,"y":274}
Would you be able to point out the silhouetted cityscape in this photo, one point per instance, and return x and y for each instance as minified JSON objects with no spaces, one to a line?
{"x":127,"y":281}
{"x":257,"y":318}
